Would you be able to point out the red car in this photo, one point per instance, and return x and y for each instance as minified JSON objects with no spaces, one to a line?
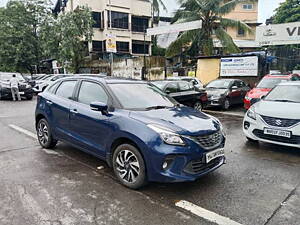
{"x":265,"y":86}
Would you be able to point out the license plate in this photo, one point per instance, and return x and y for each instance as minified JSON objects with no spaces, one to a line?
{"x":281,"y":133}
{"x":21,"y":92}
{"x":214,"y":154}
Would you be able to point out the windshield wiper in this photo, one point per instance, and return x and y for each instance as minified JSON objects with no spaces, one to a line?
{"x":156,"y":107}
{"x":284,"y":100}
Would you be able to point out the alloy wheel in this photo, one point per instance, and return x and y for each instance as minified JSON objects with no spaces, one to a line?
{"x":43,"y":133}
{"x":128,"y":166}
{"x":198,"y":106}
{"x":226,"y":104}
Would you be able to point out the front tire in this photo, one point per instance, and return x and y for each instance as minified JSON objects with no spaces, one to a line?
{"x":44,"y":134}
{"x":129,"y":166}
{"x":226,"y":104}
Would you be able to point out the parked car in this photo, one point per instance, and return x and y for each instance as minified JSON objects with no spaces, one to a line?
{"x":276,"y":117}
{"x":226,"y":92}
{"x":265,"y":86}
{"x":139,"y":130}
{"x":44,"y":82}
{"x":29,"y":80}
{"x":184,"y":93}
{"x":193,"y":80}
{"x":25,"y":88}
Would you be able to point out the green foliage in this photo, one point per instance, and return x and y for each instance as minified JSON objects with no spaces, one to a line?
{"x":288,"y":11}
{"x":211,"y":13}
{"x":156,"y":6}
{"x":297,"y":67}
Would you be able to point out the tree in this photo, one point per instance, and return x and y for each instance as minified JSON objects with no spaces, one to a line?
{"x":214,"y":25}
{"x":156,"y":4}
{"x":66,"y":36}
{"x":19,"y":42}
{"x":288,"y":11}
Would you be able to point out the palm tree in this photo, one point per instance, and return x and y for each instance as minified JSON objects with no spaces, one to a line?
{"x":156,"y":4}
{"x":214,"y":25}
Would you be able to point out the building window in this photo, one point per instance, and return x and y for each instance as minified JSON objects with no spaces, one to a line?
{"x":119,"y":20}
{"x":240,"y":32}
{"x":122,"y":46}
{"x":97,"y":18}
{"x":247,"y":6}
{"x":139,"y":24}
{"x":98,"y":46}
{"x":138,"y":47}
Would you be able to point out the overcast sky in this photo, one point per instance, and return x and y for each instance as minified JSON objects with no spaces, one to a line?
{"x":266,"y":7}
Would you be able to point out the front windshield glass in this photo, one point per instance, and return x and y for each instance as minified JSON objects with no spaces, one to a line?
{"x":223,"y":84}
{"x":141,"y":96}
{"x":270,"y":82}
{"x":285,"y":93}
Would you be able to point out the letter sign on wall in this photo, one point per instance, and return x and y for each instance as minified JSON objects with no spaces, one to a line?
{"x":278,"y":34}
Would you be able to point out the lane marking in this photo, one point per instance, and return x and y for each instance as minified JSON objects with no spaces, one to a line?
{"x":205,"y":214}
{"x":22,"y":130}
{"x":225,"y":113}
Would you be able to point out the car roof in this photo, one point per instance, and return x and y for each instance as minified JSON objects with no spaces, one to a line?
{"x":289,"y":83}
{"x":105,"y":79}
{"x":279,"y":76}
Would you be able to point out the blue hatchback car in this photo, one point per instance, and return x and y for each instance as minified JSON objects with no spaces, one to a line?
{"x":136,"y":128}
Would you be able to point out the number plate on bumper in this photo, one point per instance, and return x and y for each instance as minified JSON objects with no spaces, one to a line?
{"x":281,"y":133}
{"x":214,"y":154}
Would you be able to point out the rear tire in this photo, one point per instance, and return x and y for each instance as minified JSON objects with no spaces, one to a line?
{"x":129,"y":166}
{"x":226,"y":104}
{"x":44,"y":134}
{"x":198,"y":106}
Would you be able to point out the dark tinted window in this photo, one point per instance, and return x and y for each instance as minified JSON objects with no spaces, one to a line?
{"x":171,"y":88}
{"x":140,"y":47}
{"x":66,"y":89}
{"x":91,"y":92}
{"x":122,"y":46}
{"x":119,"y":20}
{"x":97,"y":18}
{"x":139,"y":24}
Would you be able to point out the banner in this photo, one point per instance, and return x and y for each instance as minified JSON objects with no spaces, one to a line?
{"x":111,"y":43}
{"x":239,"y":66}
{"x":278,"y":34}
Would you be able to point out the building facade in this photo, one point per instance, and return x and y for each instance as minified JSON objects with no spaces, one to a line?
{"x":125,"y":21}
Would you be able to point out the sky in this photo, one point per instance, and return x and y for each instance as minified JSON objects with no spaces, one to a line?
{"x":266,"y":8}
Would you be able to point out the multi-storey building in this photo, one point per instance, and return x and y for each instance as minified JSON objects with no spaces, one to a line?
{"x":125,"y":20}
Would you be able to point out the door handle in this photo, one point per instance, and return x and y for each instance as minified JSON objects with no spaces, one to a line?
{"x":74,"y":111}
{"x":49,"y":102}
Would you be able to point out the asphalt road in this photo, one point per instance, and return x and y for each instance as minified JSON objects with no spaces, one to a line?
{"x":259,"y":185}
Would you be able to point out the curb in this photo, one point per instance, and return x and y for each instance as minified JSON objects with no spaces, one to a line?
{"x":224,"y":113}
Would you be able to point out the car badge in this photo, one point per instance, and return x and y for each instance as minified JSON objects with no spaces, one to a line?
{"x":278,"y":122}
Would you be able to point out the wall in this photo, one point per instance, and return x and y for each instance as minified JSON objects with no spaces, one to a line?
{"x":244,"y":15}
{"x":208,"y":69}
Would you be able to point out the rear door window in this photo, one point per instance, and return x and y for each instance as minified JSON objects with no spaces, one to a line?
{"x":91,"y":92}
{"x":185,"y":86}
{"x":171,"y":88}
{"x":66,"y":89}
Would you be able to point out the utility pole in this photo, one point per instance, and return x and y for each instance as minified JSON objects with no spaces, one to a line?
{"x":144,"y":67}
{"x":111,"y":54}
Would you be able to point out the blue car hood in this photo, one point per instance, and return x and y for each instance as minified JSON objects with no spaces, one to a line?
{"x":182,"y":120}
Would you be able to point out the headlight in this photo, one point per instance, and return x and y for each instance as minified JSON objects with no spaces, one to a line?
{"x":248,"y":98}
{"x":168,"y":136}
{"x":251,"y":113}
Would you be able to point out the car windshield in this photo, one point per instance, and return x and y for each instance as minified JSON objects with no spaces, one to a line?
{"x":223,"y":84}
{"x":285,"y":93}
{"x":141,"y":96}
{"x":159,"y":84}
{"x":270,"y":82}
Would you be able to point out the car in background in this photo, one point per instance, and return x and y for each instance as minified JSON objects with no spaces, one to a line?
{"x":226,"y":92}
{"x":183,"y":92}
{"x":25,"y":88}
{"x":142,"y":133}
{"x":276,"y":117}
{"x":265,"y":86}
{"x":193,"y":80}
{"x":47,"y":80}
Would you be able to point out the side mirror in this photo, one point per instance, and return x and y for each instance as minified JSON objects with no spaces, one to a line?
{"x":262,"y":97}
{"x":99,"y":107}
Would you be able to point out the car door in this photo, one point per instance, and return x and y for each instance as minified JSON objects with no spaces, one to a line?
{"x":90,"y":129}
{"x":235,"y":93}
{"x":58,"y":105}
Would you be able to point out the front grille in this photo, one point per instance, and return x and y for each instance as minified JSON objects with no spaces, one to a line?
{"x":198,"y":166}
{"x":279,"y":122}
{"x":210,"y":141}
{"x":293,"y":140}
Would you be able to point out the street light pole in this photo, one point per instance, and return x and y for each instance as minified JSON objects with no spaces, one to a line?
{"x":144,"y":68}
{"x":111,"y":53}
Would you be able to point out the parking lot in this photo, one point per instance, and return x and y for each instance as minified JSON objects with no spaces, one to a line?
{"x":258,"y":185}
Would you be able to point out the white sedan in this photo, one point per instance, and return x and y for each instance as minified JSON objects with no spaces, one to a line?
{"x":46,"y":81}
{"x":276,"y":118}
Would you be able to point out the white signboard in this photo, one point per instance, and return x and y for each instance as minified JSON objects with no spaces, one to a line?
{"x":278,"y":34}
{"x":111,"y":43}
{"x":174,"y":28}
{"x":239,"y":66}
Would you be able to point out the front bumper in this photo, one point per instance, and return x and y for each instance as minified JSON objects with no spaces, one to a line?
{"x":24,"y":92}
{"x":215,"y":101}
{"x":185,"y":163}
{"x":254,"y":129}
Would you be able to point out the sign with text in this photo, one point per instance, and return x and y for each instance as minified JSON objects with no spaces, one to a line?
{"x":239,"y":66}
{"x":278,"y":34}
{"x":111,"y":43}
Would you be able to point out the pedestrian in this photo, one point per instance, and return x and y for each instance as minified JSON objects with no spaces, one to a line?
{"x":14,"y":87}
